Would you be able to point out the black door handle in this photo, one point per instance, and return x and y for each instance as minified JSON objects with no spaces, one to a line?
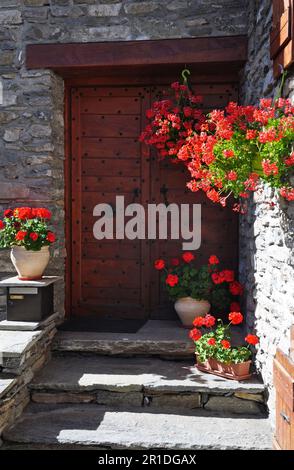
{"x":164,"y":191}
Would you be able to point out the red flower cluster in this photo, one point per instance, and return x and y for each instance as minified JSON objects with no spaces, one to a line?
{"x":172,"y":280}
{"x":195,"y":334}
{"x":213,"y":147}
{"x":269,"y":168}
{"x":23,"y":213}
{"x":208,"y":321}
{"x":223,"y":276}
{"x":236,"y":288}
{"x":188,"y":257}
{"x":173,"y":121}
{"x":213,"y":259}
{"x":252,"y":339}
{"x":235,"y":318}
{"x":211,"y":342}
{"x":21,"y":235}
{"x":287,"y":193}
{"x":26,"y":226}
{"x":159,"y":264}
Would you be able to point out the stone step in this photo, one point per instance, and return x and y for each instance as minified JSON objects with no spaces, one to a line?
{"x":156,"y":338}
{"x":148,"y":382}
{"x":92,"y":426}
{"x":20,"y":349}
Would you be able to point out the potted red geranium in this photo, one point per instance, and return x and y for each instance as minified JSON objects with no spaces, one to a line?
{"x":196,"y":289}
{"x":214,"y":351}
{"x":25,"y":230}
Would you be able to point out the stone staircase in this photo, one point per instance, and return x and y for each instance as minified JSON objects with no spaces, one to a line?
{"x":92,"y":395}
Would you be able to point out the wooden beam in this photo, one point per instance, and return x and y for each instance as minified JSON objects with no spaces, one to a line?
{"x":212,"y":50}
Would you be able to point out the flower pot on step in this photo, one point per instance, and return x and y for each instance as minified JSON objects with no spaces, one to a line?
{"x":229,"y":371}
{"x":188,"y":309}
{"x":243,"y":368}
{"x":29,"y":264}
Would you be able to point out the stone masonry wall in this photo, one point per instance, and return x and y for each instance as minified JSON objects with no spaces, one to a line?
{"x":267,"y":231}
{"x":31,"y":116}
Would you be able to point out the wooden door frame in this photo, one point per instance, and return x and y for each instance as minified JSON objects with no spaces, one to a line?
{"x":71,"y":84}
{"x":138,"y":62}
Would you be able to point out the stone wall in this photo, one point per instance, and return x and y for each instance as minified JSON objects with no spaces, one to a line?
{"x":31,"y":117}
{"x":267,"y":231}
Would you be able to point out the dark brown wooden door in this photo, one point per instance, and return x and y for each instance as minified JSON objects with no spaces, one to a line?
{"x":110,"y":277}
{"x":116,"y":277}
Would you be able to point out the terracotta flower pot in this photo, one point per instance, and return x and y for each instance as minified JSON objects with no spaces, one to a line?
{"x":229,"y":371}
{"x":240,"y":369}
{"x":223,"y":368}
{"x":30,"y":265}
{"x":188,"y":308}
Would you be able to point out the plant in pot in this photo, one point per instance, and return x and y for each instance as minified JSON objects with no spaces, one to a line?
{"x":25,"y":230}
{"x":214,"y":351}
{"x":196,"y":289}
{"x":227,"y":152}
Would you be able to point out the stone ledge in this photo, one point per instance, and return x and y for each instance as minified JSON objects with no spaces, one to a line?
{"x":148,"y":382}
{"x":89,"y":426}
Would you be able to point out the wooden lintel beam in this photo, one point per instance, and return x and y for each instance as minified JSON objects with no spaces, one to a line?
{"x":219,"y":50}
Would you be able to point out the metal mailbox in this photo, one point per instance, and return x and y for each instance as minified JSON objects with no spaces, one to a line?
{"x":27,"y":301}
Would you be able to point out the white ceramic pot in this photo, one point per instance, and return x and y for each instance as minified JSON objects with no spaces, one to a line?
{"x":188,"y":309}
{"x":30,"y":265}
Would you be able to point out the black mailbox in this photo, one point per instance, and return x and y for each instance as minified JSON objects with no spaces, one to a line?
{"x":30,"y":301}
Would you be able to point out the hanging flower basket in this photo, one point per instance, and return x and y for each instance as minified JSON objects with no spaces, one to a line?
{"x":227,"y":152}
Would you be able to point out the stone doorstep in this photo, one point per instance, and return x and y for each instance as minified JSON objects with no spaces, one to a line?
{"x":104,"y":427}
{"x":142,"y":382}
{"x":161,"y":338}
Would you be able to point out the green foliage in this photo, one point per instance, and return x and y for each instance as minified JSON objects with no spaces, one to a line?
{"x":13,"y":225}
{"x":231,"y":355}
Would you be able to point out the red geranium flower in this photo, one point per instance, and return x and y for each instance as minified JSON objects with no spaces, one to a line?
{"x":228,"y":153}
{"x":216,"y":279}
{"x":41,"y":212}
{"x":20,"y":235}
{"x":195,"y":334}
{"x":175,"y":261}
{"x":188,"y":257}
{"x":213,"y":259}
{"x":23,"y":213}
{"x":8,"y":213}
{"x":211,"y":342}
{"x":172,"y":280}
{"x":225,"y":344}
{"x":236,"y":288}
{"x":228,"y":275}
{"x":235,"y":318}
{"x":159,"y":264}
{"x":198,"y":321}
{"x":252,"y":339}
{"x":2,"y":225}
{"x":209,"y":321}
{"x":50,"y":237}
{"x":34,"y":236}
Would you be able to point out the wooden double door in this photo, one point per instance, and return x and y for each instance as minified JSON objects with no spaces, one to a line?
{"x":116,"y":277}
